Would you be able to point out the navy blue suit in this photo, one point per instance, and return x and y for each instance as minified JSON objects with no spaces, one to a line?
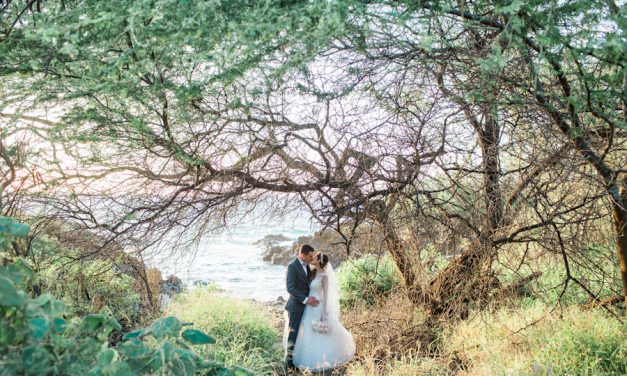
{"x":297,"y":282}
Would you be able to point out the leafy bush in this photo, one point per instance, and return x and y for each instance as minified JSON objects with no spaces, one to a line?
{"x":37,"y":338}
{"x":365,"y":279}
{"x":85,"y":285}
{"x":243,"y":333}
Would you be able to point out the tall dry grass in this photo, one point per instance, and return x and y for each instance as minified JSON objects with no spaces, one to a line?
{"x":515,"y":340}
{"x":390,"y":339}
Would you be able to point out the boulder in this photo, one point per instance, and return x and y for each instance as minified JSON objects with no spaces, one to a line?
{"x":271,"y":240}
{"x":172,"y":286}
{"x":366,"y":241}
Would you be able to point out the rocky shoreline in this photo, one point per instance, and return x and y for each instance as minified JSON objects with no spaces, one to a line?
{"x":281,"y":250}
{"x":277,"y":252}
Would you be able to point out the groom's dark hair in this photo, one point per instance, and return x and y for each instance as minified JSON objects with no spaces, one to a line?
{"x":306,"y":248}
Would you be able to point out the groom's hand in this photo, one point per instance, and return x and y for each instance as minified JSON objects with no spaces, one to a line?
{"x":313,"y":301}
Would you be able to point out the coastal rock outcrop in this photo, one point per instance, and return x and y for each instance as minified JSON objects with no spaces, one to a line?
{"x":327,"y":241}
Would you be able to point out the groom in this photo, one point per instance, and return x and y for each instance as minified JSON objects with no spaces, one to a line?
{"x":298,"y":278}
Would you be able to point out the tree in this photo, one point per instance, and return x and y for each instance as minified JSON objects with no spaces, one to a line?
{"x":206,"y":116}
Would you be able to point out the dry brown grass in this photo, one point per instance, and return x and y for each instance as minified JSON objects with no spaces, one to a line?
{"x":153,"y":276}
{"x":377,"y":329}
{"x":393,"y":339}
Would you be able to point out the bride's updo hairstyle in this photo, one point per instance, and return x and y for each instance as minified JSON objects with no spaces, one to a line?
{"x":324,"y":260}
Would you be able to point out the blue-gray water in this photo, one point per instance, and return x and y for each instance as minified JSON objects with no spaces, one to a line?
{"x":233,"y":263}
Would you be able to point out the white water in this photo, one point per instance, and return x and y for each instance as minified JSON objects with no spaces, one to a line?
{"x":234,"y":264}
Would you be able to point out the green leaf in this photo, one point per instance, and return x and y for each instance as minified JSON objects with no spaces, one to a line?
{"x":7,"y":336}
{"x":5,"y":224}
{"x":184,"y":363}
{"x":197,"y":337}
{"x":93,"y":322}
{"x":162,"y":356}
{"x":511,"y":7}
{"x":10,"y":367}
{"x":134,"y":349}
{"x":119,"y":369}
{"x":166,"y":326}
{"x":38,"y":328}
{"x":17,"y":270}
{"x":225,"y":372}
{"x":20,"y":230}
{"x":59,"y":325}
{"x":9,"y":295}
{"x":106,"y":357}
{"x":57,"y":307}
{"x":12,"y":227}
{"x":36,"y":360}
{"x":209,"y":364}
{"x":135,"y":334}
{"x":42,"y":299}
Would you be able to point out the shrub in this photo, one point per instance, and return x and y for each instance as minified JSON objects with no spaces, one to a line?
{"x":244,"y":335}
{"x":37,"y":338}
{"x":84,"y":285}
{"x":365,"y":279}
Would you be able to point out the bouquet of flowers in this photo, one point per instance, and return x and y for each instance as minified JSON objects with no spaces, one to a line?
{"x":320,"y":326}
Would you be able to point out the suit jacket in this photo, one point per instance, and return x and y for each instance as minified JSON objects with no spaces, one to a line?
{"x":297,"y":286}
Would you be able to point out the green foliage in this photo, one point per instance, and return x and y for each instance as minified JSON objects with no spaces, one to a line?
{"x":38,"y":337}
{"x":84,"y":284}
{"x":365,"y":279}
{"x":599,"y":349}
{"x":595,"y":267}
{"x":11,"y":229}
{"x":572,"y":341}
{"x":242,"y":332}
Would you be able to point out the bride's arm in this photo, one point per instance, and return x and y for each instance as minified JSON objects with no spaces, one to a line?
{"x":325,"y":283}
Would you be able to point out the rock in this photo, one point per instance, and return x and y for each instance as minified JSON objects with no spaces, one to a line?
{"x":278,"y":255}
{"x":172,"y":286}
{"x":275,"y":253}
{"x":280,"y":299}
{"x":272,"y":239}
{"x":366,"y":241}
{"x":201,"y":283}
{"x":327,"y":241}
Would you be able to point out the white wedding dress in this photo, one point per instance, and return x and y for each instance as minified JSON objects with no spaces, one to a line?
{"x":317,"y":351}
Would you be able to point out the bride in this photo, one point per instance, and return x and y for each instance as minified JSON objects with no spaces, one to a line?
{"x":322,"y":342}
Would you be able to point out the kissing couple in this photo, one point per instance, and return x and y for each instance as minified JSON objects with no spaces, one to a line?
{"x":314,"y":338}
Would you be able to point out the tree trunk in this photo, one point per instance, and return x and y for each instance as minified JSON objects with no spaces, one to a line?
{"x":400,"y":256}
{"x":466,"y":279}
{"x":619,"y":212}
{"x":403,"y":263}
{"x":489,"y":140}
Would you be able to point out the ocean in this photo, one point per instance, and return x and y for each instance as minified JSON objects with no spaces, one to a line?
{"x":232,"y":262}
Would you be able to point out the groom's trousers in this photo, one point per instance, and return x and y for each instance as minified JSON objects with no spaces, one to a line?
{"x":294,"y":324}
